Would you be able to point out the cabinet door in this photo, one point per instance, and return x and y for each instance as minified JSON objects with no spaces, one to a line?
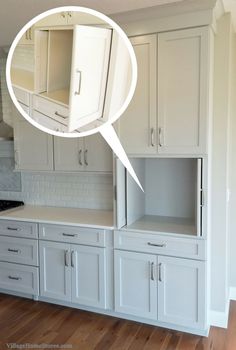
{"x":135,"y":284}
{"x":33,"y":148}
{"x":89,"y":69}
{"x":55,"y":270}
{"x":28,"y":37}
{"x":138,"y":124}
{"x":181,"y":292}
{"x":182,"y":91}
{"x":97,"y":154}
{"x":68,"y":154}
{"x":88,"y":275}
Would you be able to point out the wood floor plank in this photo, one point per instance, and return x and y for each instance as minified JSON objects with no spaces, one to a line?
{"x":25,"y":321}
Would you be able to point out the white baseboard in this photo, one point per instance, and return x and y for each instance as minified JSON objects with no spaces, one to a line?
{"x":220,"y":318}
{"x":232,"y":293}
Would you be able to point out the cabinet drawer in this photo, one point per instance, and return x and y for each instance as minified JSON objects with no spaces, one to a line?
{"x":48,"y":122}
{"x":160,"y":244}
{"x":18,"y":229}
{"x":51,"y":109}
{"x":24,"y":107}
{"x":19,"y":250}
{"x":19,"y":278}
{"x":79,"y":235}
{"x":22,"y":96}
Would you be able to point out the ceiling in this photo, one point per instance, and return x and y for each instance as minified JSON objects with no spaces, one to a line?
{"x":14,"y":13}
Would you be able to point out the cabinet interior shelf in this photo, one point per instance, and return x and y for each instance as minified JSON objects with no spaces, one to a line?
{"x":61,"y":96}
{"x":167,"y":224}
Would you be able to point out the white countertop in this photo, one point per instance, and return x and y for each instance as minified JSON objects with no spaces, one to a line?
{"x":22,"y":79}
{"x":63,"y":216}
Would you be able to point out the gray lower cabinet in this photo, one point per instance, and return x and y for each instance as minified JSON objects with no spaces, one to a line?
{"x":19,"y":270}
{"x":161,"y":288}
{"x":73,"y":273}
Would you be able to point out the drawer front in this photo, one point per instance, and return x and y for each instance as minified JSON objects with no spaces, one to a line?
{"x":160,"y":244}
{"x":24,"y":107}
{"x":48,"y":122}
{"x":51,"y":109}
{"x":78,"y":235}
{"x":18,"y":229}
{"x":22,"y":96}
{"x":19,"y":278}
{"x":19,"y":250}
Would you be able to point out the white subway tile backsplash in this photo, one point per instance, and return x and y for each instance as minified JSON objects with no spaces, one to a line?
{"x":23,"y":57}
{"x":92,"y":191}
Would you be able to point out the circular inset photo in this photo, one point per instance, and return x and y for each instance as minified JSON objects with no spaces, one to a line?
{"x":70,"y":71}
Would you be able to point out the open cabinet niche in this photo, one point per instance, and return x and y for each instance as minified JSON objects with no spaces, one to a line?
{"x":171,"y":201}
{"x":53,"y":55}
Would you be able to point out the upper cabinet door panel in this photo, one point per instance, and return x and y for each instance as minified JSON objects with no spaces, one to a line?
{"x":89,"y":70}
{"x":138,"y":124}
{"x":182,"y":91}
{"x":33,"y":148}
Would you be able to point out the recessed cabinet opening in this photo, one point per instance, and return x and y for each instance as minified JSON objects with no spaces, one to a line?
{"x":53,"y":68}
{"x":171,"y":201}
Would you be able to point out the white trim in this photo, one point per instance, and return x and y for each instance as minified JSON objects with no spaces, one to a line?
{"x":220,"y":318}
{"x":232,"y":293}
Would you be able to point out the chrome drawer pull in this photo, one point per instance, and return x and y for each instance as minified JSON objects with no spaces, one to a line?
{"x":157,"y":245}
{"x":13,"y":250}
{"x":13,"y":229}
{"x":14,"y":278}
{"x":152,"y":271}
{"x":69,"y":234}
{"x":61,"y":115}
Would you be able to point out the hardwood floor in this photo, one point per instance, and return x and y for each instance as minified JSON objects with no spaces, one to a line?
{"x":24,"y":321}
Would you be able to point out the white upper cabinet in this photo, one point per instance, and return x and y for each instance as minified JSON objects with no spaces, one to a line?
{"x":90,"y":153}
{"x":89,"y":69}
{"x":182,"y":91}
{"x":138,"y":124}
{"x":28,"y":37}
{"x":33,"y":148}
{"x":169,"y":111}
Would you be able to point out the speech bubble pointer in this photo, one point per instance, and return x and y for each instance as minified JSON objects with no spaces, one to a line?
{"x":109,"y":134}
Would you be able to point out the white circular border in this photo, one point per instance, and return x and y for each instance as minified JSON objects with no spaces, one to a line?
{"x":105,"y":19}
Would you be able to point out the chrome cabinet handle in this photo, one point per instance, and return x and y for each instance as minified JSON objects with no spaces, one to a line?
{"x":72,"y":259}
{"x":30,"y":36}
{"x":160,"y":133}
{"x":202,"y":198}
{"x":14,"y":278}
{"x":26,"y":35}
{"x":152,"y":137}
{"x":80,"y":161}
{"x":13,"y":229}
{"x":152,"y":271}
{"x":63,"y":15}
{"x":86,"y":157}
{"x":159,"y":272}
{"x":60,"y":115}
{"x":69,"y":14}
{"x":66,"y":257}
{"x":80,"y":78}
{"x":162,"y":245}
{"x":13,"y":250}
{"x":69,"y":234}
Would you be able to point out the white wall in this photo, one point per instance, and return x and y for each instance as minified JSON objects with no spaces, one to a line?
{"x":232,"y":175}
{"x":220,"y":167}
